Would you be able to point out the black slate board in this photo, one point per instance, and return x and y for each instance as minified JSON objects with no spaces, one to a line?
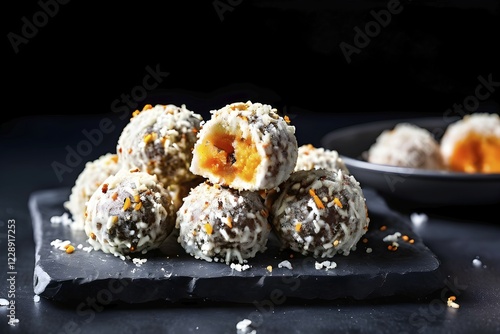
{"x":170,"y":274}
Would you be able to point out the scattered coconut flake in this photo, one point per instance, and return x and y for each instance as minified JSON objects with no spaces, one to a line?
{"x":477,"y":263}
{"x":392,"y":237}
{"x":285,"y":264}
{"x":60,"y":244}
{"x":36,"y":298}
{"x":64,"y":219}
{"x":87,"y":249}
{"x":269,"y":268}
{"x":12,"y":322}
{"x":4,"y":302}
{"x":239,"y":267}
{"x":418,"y":218}
{"x":245,"y":327}
{"x":369,"y":250}
{"x":138,"y":262}
{"x":325,"y":265}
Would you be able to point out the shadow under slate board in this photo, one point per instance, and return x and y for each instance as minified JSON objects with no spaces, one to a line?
{"x":413,"y":271}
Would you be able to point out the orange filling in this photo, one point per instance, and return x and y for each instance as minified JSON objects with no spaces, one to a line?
{"x":229,"y":156}
{"x":476,"y":154}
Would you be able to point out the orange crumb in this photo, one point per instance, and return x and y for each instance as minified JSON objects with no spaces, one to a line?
{"x":317,"y":200}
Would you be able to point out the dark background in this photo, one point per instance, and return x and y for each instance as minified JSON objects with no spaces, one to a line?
{"x":85,"y":55}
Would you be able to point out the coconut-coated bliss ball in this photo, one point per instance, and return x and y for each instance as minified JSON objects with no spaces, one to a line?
{"x":130,"y":212}
{"x":159,"y":140}
{"x":407,"y":145}
{"x":320,"y":213}
{"x":245,"y":146}
{"x":217,"y":223}
{"x":91,"y":177}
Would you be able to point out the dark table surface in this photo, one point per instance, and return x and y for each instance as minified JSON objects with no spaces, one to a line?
{"x":457,"y":235}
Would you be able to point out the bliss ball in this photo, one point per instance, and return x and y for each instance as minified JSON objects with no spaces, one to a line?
{"x":217,"y":223}
{"x":320,"y":213}
{"x":472,"y":144}
{"x":159,"y":140}
{"x":407,"y":145}
{"x":130,"y":212}
{"x":245,"y":146}
{"x":91,"y":177}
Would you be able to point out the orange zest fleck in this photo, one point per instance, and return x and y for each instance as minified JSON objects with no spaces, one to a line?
{"x":229,"y":221}
{"x":126,"y":203}
{"x":208,"y":228}
{"x":317,"y":200}
{"x":298,"y":226}
{"x":337,"y":202}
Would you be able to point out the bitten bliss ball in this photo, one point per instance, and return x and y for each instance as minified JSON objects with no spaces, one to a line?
{"x":223,"y":224}
{"x":129,"y":213}
{"x":320,"y":213}
{"x":472,"y":144}
{"x":245,"y":146}
{"x":91,"y":177}
{"x":407,"y":145}
{"x":159,"y":140}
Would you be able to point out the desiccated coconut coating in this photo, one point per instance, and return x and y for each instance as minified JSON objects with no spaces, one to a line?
{"x":246,"y":146}
{"x":407,"y":145}
{"x":130,"y":212}
{"x":310,"y":157}
{"x":91,"y":177}
{"x":159,"y":140}
{"x":320,"y":213}
{"x":222,"y":224}
{"x":472,"y":144}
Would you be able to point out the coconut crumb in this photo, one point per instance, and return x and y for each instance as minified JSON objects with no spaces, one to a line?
{"x":4,"y":302}
{"x":325,"y":265}
{"x":245,"y":327}
{"x":418,"y":218}
{"x":36,"y":298}
{"x":138,"y":262}
{"x":63,"y":219}
{"x":239,"y":267}
{"x":285,"y":264}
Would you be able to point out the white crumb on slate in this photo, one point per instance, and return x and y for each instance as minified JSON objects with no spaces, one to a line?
{"x":325,"y":265}
{"x":4,"y":302}
{"x":63,"y":219}
{"x":245,"y":327}
{"x":418,"y":218}
{"x":239,"y":267}
{"x":60,"y":244}
{"x":285,"y":264}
